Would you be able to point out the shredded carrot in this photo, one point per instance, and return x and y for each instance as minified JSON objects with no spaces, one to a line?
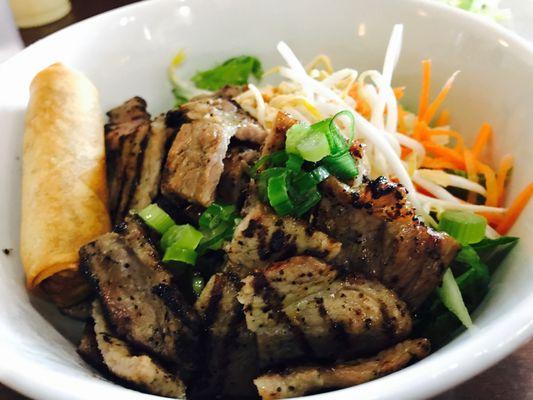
{"x":423,"y":191}
{"x":459,"y":141}
{"x":492,"y":219}
{"x":405,"y":152}
{"x":506,"y":164}
{"x":399,"y":92}
{"x":435,"y":104}
{"x":424,"y":92}
{"x":515,"y":210}
{"x":445,"y":152}
{"x":443,"y":119}
{"x":482,"y":139}
{"x":362,"y":107}
{"x":490,"y":184}
{"x":437,"y":163}
{"x":420,"y":131}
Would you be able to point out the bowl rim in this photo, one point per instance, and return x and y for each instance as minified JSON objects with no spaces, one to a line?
{"x":444,"y":369}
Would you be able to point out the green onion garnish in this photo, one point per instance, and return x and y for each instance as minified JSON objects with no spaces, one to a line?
{"x":278,"y":194}
{"x":314,"y":147}
{"x":156,"y":218}
{"x":214,"y":214}
{"x":179,"y":254}
{"x":464,"y":226}
{"x":185,"y":236}
{"x":453,"y":300}
{"x":342,"y":165}
{"x":294,"y":162}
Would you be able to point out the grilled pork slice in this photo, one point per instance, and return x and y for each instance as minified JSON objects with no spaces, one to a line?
{"x":195,"y":160}
{"x":233,"y":185}
{"x":301,"y":309}
{"x":230,"y":347}
{"x":381,"y":237}
{"x":275,"y":140}
{"x":300,"y":381}
{"x":262,"y":237}
{"x":139,"y":300}
{"x":88,"y":348}
{"x":136,"y":150}
{"x":137,"y":370}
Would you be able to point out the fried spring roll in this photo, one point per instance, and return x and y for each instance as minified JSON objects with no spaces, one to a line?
{"x":64,"y":189}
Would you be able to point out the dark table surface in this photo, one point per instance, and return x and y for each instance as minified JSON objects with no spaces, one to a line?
{"x":511,"y":379}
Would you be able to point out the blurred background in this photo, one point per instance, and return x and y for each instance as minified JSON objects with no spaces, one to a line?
{"x":22,"y":22}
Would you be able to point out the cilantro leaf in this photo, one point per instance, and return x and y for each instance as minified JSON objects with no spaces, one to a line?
{"x":235,"y":71}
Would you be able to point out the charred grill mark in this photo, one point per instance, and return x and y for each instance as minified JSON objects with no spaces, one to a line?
{"x":175,"y":119}
{"x":274,"y":304}
{"x":119,"y":177}
{"x":389,"y":322}
{"x":137,"y":174}
{"x":214,"y":301}
{"x":174,"y":301}
{"x":278,"y":241}
{"x":336,"y":329}
{"x":252,"y":227}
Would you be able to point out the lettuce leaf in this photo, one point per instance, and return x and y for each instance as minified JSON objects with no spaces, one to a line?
{"x":235,"y":71}
{"x":473,"y":267}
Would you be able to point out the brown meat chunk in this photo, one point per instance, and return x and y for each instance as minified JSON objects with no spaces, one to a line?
{"x":138,"y":370}
{"x":275,"y":140}
{"x":382,"y":239}
{"x":135,"y":152}
{"x":300,"y":381}
{"x":195,"y":161}
{"x":234,"y":181}
{"x":138,"y":297}
{"x":231,"y":361}
{"x":300,"y":309}
{"x":262,"y":237}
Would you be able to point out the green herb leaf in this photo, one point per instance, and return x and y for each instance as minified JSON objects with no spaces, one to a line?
{"x":493,"y":251}
{"x":235,"y":71}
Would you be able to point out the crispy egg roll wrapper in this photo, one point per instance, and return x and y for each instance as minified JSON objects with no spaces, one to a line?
{"x":64,"y":189}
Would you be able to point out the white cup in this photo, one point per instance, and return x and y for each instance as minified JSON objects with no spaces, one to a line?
{"x":32,"y":13}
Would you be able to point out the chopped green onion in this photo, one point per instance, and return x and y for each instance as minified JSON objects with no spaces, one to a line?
{"x":214,"y":238}
{"x":295,"y":135}
{"x":350,"y":116}
{"x":214,"y":214}
{"x":341,"y":165}
{"x":294,"y":162}
{"x":464,"y":226}
{"x":279,"y":158}
{"x":264,"y":178}
{"x":156,"y":218}
{"x":179,"y":254}
{"x":197,"y":285}
{"x":258,"y":164}
{"x":453,"y":300}
{"x":320,"y":174}
{"x":278,"y":194}
{"x":314,"y":147}
{"x":308,"y":142}
{"x":185,"y":236}
{"x":308,"y":180}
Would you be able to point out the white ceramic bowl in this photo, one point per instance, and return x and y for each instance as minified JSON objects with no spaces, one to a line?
{"x":125,"y":53}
